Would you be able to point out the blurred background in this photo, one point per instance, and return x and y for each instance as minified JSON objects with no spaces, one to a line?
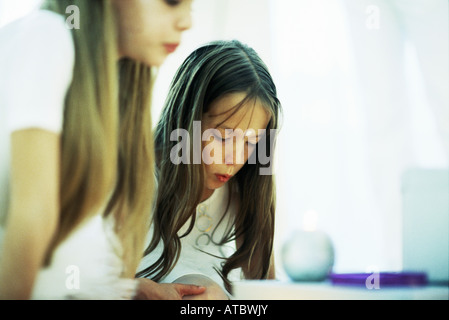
{"x":364,"y":87}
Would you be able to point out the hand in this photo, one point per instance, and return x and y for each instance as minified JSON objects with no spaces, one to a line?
{"x":213,"y":290}
{"x":150,"y":290}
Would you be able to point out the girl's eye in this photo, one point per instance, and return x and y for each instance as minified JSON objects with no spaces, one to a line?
{"x":252,"y":141}
{"x":219,"y":137}
{"x":173,"y":3}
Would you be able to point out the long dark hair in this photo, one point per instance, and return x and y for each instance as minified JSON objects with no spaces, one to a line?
{"x":210,"y":72}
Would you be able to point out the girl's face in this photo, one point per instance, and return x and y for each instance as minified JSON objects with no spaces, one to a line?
{"x":149,"y":30}
{"x":240,"y":128}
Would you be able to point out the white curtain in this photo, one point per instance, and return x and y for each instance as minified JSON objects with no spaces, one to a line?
{"x":365,"y":90}
{"x":13,"y":9}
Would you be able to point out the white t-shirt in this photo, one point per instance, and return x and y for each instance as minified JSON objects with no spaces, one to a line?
{"x":36,"y":65}
{"x":200,"y":249}
{"x":37,"y":57}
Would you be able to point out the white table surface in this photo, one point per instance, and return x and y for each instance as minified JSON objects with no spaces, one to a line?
{"x":284,"y":290}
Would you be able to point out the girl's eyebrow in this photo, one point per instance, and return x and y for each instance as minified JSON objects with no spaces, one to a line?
{"x":221,"y":126}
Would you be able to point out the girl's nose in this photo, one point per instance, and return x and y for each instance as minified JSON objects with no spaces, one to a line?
{"x":229,"y":157}
{"x":236,"y":153}
{"x":185,"y":21}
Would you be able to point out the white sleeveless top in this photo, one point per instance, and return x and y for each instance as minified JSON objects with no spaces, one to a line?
{"x":87,"y":265}
{"x":200,"y":249}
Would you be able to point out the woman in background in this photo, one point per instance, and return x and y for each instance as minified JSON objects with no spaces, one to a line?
{"x":76,"y":146}
{"x":214,"y":217}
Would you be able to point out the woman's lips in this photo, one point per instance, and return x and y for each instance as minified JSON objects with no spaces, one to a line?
{"x":223,"y":177}
{"x":171,"y":47}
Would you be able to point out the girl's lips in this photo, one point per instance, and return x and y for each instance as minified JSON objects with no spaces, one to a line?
{"x":223,"y":177}
{"x":171,"y":47}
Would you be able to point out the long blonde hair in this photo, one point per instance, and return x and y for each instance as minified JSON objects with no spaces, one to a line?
{"x":107,"y":151}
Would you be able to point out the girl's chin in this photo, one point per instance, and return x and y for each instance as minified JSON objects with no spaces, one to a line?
{"x":215,"y":184}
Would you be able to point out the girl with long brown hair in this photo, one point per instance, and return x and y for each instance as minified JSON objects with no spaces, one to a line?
{"x":77,"y":185}
{"x":215,"y":205}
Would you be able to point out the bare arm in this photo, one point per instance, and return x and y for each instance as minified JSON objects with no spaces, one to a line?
{"x":33,"y":210}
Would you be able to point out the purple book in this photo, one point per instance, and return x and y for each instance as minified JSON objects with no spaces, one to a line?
{"x":391,"y":279}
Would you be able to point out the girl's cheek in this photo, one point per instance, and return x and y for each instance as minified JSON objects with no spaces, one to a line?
{"x":251,"y":149}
